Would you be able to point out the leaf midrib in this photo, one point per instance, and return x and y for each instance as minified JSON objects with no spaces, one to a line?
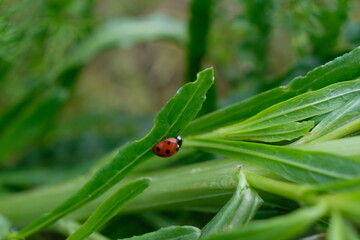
{"x":281,"y":160}
{"x":254,"y":133}
{"x":80,"y":202}
{"x":264,"y":118}
{"x":339,"y":115}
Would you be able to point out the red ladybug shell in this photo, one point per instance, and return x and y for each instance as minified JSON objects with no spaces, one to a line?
{"x":167,"y":147}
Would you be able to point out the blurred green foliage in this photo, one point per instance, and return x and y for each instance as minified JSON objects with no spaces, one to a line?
{"x":80,"y":78}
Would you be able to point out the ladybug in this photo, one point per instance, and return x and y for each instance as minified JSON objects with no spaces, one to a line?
{"x":167,"y":147}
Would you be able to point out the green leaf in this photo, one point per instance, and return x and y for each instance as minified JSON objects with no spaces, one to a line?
{"x":287,"y":131}
{"x":341,"y":69}
{"x":279,"y":228}
{"x":338,"y":123}
{"x":183,"y":187}
{"x":14,"y":123}
{"x":199,"y":25}
{"x":201,"y":12}
{"x":340,"y":229}
{"x":301,"y":107}
{"x":4,"y":226}
{"x":31,"y":121}
{"x":348,"y":147}
{"x":127,"y":32}
{"x":238,"y":211}
{"x":292,"y":164}
{"x":110,"y":208}
{"x":173,"y":117}
{"x":170,"y":233}
{"x":350,"y":184}
{"x":67,"y":226}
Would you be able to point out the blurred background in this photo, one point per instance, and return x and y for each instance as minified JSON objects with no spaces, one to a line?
{"x":80,"y":78}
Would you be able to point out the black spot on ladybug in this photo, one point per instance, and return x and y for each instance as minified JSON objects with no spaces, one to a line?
{"x":167,"y":151}
{"x":158,"y":149}
{"x":168,"y":142}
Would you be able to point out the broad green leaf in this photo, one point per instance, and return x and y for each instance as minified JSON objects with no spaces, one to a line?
{"x":4,"y":226}
{"x":170,"y":233}
{"x":301,"y":107}
{"x":343,"y":68}
{"x":292,"y":164}
{"x":340,"y":229}
{"x":287,"y":131}
{"x":110,"y":208}
{"x":174,"y":116}
{"x":238,"y":211}
{"x":279,"y":228}
{"x":338,"y":123}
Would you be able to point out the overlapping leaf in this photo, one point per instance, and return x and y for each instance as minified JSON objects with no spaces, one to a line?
{"x":110,"y":208}
{"x":343,"y":68}
{"x":295,"y":165}
{"x":338,"y":123}
{"x":280,"y":118}
{"x":238,"y":211}
{"x":175,"y":115}
{"x":280,"y":228}
{"x":278,"y":133}
{"x":341,"y":229}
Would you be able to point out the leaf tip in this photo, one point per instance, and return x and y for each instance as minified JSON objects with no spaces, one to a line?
{"x":207,"y":73}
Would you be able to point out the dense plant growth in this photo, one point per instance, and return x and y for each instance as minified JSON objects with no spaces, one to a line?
{"x":278,"y":157}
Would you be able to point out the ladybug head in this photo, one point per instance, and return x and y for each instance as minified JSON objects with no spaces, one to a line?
{"x":179,"y":140}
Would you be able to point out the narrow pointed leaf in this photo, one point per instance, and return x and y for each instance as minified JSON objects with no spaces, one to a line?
{"x":170,"y":233}
{"x":67,"y":227}
{"x":173,"y":117}
{"x":110,"y":208}
{"x":277,"y":133}
{"x":238,"y":211}
{"x":292,"y":164}
{"x":280,"y":228}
